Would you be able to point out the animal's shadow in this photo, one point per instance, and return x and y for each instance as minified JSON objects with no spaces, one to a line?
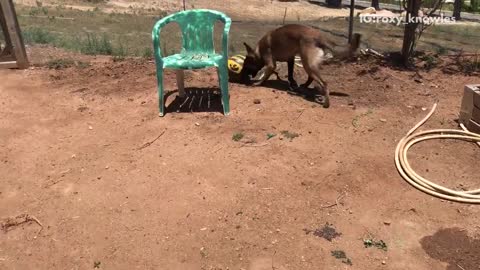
{"x":309,"y":94}
{"x":195,"y":100}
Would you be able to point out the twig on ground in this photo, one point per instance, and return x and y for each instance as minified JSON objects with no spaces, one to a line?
{"x":220,"y":148}
{"x":59,"y":179}
{"x":254,"y":145}
{"x":299,"y":115}
{"x":275,"y":252}
{"x":337,"y":201}
{"x":373,"y":52}
{"x":19,"y":220}
{"x":147,"y":144}
{"x":460,"y":267}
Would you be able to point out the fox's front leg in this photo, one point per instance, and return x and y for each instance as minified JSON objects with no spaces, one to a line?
{"x":269,"y":70}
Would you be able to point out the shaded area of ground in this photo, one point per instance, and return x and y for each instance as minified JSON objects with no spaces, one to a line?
{"x":453,"y":246}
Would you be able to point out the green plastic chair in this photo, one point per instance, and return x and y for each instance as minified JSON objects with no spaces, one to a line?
{"x":198,"y":50}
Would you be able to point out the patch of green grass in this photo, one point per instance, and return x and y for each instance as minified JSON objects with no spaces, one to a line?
{"x":37,"y":35}
{"x":289,"y":135}
{"x":86,"y":43}
{"x":237,"y":136}
{"x":270,"y":135}
{"x":91,"y":32}
{"x":96,"y":45}
{"x":341,"y":255}
{"x":147,"y":53}
{"x":430,"y":60}
{"x":441,"y":50}
{"x":373,"y":243}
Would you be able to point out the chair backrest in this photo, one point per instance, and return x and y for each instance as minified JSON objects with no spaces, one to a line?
{"x":197,"y":28}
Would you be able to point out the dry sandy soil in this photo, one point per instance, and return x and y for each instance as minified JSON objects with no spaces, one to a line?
{"x":248,"y":10}
{"x":114,"y":186}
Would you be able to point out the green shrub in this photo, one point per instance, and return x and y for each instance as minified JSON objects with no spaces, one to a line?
{"x":94,"y":45}
{"x":37,"y":36}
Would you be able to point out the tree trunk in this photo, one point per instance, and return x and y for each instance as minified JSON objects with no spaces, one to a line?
{"x":413,"y":6}
{"x":376,"y":4}
{"x":457,"y":8}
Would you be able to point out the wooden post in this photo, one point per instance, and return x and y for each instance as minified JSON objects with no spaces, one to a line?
{"x":13,"y":36}
{"x":3,"y":28}
{"x":350,"y":22}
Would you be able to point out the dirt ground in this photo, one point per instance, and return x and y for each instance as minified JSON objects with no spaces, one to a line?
{"x":114,"y":186}
{"x":249,"y":10}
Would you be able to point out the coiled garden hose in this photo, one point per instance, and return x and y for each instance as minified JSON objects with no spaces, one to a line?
{"x":406,"y":171}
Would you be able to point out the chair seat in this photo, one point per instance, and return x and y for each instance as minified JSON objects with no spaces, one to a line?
{"x":191,"y":60}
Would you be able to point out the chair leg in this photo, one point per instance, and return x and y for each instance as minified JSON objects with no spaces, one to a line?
{"x":180,"y":82}
{"x":161,"y":101}
{"x":223,"y":78}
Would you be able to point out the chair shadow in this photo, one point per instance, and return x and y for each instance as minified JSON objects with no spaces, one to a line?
{"x":196,"y":99}
{"x":309,"y":94}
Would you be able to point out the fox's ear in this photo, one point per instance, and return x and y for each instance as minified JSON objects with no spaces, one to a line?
{"x":250,"y":51}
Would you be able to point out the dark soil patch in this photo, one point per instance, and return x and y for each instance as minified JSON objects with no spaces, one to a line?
{"x":454,"y":247}
{"x":327,"y":232}
{"x":341,"y":255}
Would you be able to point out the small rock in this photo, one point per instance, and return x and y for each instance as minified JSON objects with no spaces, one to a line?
{"x":197,"y":124}
{"x":256,"y":101}
{"x":106,"y":167}
{"x":387,"y":222}
{"x":74,"y":156}
{"x":424,"y":109}
{"x":383,"y":120}
{"x":384,"y":262}
{"x":203,"y":229}
{"x":90,"y":127}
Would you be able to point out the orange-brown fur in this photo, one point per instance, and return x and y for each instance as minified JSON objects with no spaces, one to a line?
{"x":284,"y":43}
